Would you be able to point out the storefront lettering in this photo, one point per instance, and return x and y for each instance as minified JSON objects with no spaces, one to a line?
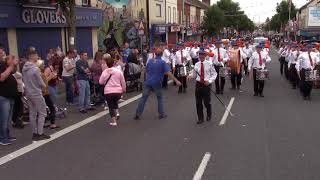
{"x":35,"y":16}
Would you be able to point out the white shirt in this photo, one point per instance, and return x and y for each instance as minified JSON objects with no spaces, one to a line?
{"x":166,"y":56}
{"x":210,"y":73}
{"x":194,"y":52}
{"x":304,"y":61}
{"x":255,"y":59}
{"x":247,"y":51}
{"x":224,"y":57}
{"x":282,"y":52}
{"x":177,"y":58}
{"x":293,"y":57}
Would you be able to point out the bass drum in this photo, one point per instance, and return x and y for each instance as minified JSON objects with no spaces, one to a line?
{"x":262,"y":74}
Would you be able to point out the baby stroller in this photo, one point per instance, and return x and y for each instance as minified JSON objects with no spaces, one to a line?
{"x":132,"y":74}
{"x":61,"y":113}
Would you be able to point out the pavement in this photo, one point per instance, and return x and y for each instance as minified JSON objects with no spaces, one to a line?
{"x":270,"y":138}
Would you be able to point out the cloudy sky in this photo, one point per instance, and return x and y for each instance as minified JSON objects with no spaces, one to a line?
{"x":259,"y":10}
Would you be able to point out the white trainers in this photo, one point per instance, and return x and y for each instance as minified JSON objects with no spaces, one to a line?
{"x":113,"y":124}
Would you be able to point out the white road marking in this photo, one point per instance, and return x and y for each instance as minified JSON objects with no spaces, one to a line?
{"x":203,"y":165}
{"x":63,"y":132}
{"x":226,"y":113}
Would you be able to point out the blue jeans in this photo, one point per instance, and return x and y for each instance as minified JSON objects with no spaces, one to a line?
{"x":6,"y":111}
{"x":84,"y":94}
{"x":68,"y":80}
{"x":146,"y":92}
{"x":53,"y":94}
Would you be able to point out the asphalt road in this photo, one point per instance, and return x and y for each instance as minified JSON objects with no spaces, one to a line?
{"x":271,"y":138}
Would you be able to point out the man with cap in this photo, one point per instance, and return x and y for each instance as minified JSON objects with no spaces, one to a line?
{"x":286,"y":62}
{"x":236,"y":56}
{"x":221,"y":57}
{"x":248,"y":52}
{"x":155,"y":70}
{"x":305,"y":64}
{"x":293,"y":58}
{"x":180,"y":60}
{"x":205,"y":74}
{"x":282,"y":52}
{"x":257,"y":62}
{"x":194,"y":53}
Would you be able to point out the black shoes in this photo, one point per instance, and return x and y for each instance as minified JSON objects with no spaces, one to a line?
{"x":136,"y":117}
{"x":83,"y":111}
{"x":200,"y":122}
{"x":209,"y":118}
{"x":163,"y":116}
{"x":261,"y":95}
{"x":39,"y":137}
{"x":184,"y":90}
{"x":255,"y":94}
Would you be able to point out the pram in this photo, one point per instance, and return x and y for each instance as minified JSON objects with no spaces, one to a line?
{"x":61,"y":113}
{"x":132,"y":74}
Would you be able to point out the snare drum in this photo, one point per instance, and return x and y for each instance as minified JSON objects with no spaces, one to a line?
{"x":262,"y":74}
{"x":224,"y":71}
{"x":312,"y":75}
{"x":182,"y":71}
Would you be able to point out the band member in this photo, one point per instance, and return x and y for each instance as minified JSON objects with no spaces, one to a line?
{"x":247,"y":50}
{"x":286,"y":62}
{"x":282,"y":58}
{"x":258,"y":62}
{"x":293,"y":58}
{"x":221,"y":57}
{"x":205,"y":74}
{"x":182,"y":60}
{"x":305,"y":65}
{"x":236,"y":56}
{"x":166,"y":58}
{"x":194,"y":54}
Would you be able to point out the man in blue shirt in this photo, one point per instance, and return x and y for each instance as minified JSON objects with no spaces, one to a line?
{"x":125,"y":53}
{"x":155,"y":71}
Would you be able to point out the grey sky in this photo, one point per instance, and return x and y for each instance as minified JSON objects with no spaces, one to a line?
{"x":259,"y":10}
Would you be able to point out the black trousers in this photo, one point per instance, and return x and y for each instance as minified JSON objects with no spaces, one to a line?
{"x":17,"y":110}
{"x":195,"y":60}
{"x":112,"y":100}
{"x":282,"y":62}
{"x":183,"y":80}
{"x":203,"y":97}
{"x":286,"y":70}
{"x":245,"y":65}
{"x":305,"y":86}
{"x":220,"y":81}
{"x":236,"y":79}
{"x":257,"y":84}
{"x":52,"y":109}
{"x":293,"y":75}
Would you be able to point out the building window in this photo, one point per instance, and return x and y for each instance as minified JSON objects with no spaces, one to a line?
{"x":158,"y":10}
{"x":85,"y":2}
{"x":169,"y":14}
{"x":174,"y":15}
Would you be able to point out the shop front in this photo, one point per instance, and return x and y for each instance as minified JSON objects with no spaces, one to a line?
{"x":4,"y":39}
{"x":308,"y":34}
{"x":158,"y":34}
{"x":44,"y":28}
{"x":173,"y":34}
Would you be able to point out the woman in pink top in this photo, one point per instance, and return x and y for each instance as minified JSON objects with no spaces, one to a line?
{"x":114,"y":86}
